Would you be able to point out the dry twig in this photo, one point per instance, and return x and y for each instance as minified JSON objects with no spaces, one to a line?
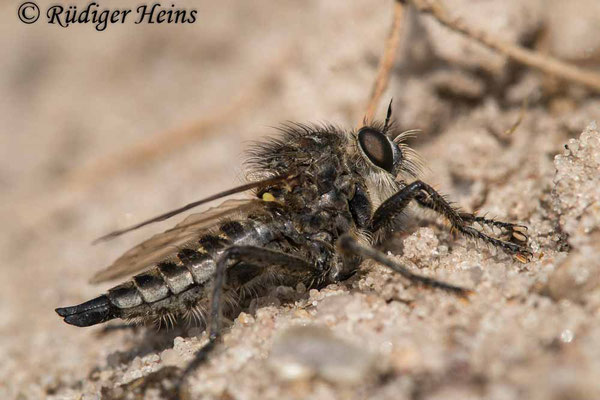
{"x":520,"y":54}
{"x":156,"y":146}
{"x":386,"y":63}
{"x":166,"y":142}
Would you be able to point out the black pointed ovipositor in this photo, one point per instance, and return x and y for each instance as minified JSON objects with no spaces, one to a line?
{"x":91,"y":312}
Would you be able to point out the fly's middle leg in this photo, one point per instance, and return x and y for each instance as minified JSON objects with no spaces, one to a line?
{"x":349,"y":245}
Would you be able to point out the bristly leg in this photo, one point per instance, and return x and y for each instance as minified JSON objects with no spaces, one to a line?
{"x":427,"y":197}
{"x":257,"y":256}
{"x":349,"y":245}
{"x":514,"y":232}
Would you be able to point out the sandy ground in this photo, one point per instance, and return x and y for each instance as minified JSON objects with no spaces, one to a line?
{"x":84,"y":114}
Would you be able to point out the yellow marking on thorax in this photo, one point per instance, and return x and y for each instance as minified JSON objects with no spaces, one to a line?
{"x":201,"y":250}
{"x":268,"y":197}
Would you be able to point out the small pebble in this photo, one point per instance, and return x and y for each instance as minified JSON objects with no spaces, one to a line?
{"x":170,"y":357}
{"x":305,"y":351}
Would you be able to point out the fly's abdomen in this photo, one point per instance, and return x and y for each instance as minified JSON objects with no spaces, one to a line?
{"x":177,"y":286}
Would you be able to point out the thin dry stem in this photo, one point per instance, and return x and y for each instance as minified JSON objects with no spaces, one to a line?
{"x":520,"y":54}
{"x":386,"y":63}
{"x":157,"y":146}
{"x":166,"y":142}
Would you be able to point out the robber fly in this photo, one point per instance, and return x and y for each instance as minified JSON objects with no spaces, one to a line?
{"x":323,"y":200}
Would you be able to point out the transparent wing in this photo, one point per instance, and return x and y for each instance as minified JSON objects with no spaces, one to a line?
{"x":165,"y":244}
{"x":169,"y":214}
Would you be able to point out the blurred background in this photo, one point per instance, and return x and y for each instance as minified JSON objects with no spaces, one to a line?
{"x":103,"y":129}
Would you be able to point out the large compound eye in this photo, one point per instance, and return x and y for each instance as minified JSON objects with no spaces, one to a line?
{"x":377,"y":147}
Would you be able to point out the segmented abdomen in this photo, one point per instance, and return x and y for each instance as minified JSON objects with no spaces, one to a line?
{"x":181,"y":284}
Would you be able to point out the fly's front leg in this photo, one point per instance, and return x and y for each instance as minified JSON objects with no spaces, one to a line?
{"x":514,"y":232}
{"x":419,"y":191}
{"x":426,"y":196}
{"x":257,"y":256}
{"x":348,"y":245}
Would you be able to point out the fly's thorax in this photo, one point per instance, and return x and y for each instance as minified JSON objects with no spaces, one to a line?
{"x":316,"y":153}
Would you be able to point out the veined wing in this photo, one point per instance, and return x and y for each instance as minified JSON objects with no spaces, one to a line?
{"x":165,"y":244}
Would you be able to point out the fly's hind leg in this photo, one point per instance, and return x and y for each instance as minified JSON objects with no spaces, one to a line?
{"x":258,"y":257}
{"x":427,"y":197}
{"x":349,"y":245}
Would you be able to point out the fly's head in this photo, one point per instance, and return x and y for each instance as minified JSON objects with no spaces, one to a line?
{"x":379,"y":152}
{"x":383,"y":158}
